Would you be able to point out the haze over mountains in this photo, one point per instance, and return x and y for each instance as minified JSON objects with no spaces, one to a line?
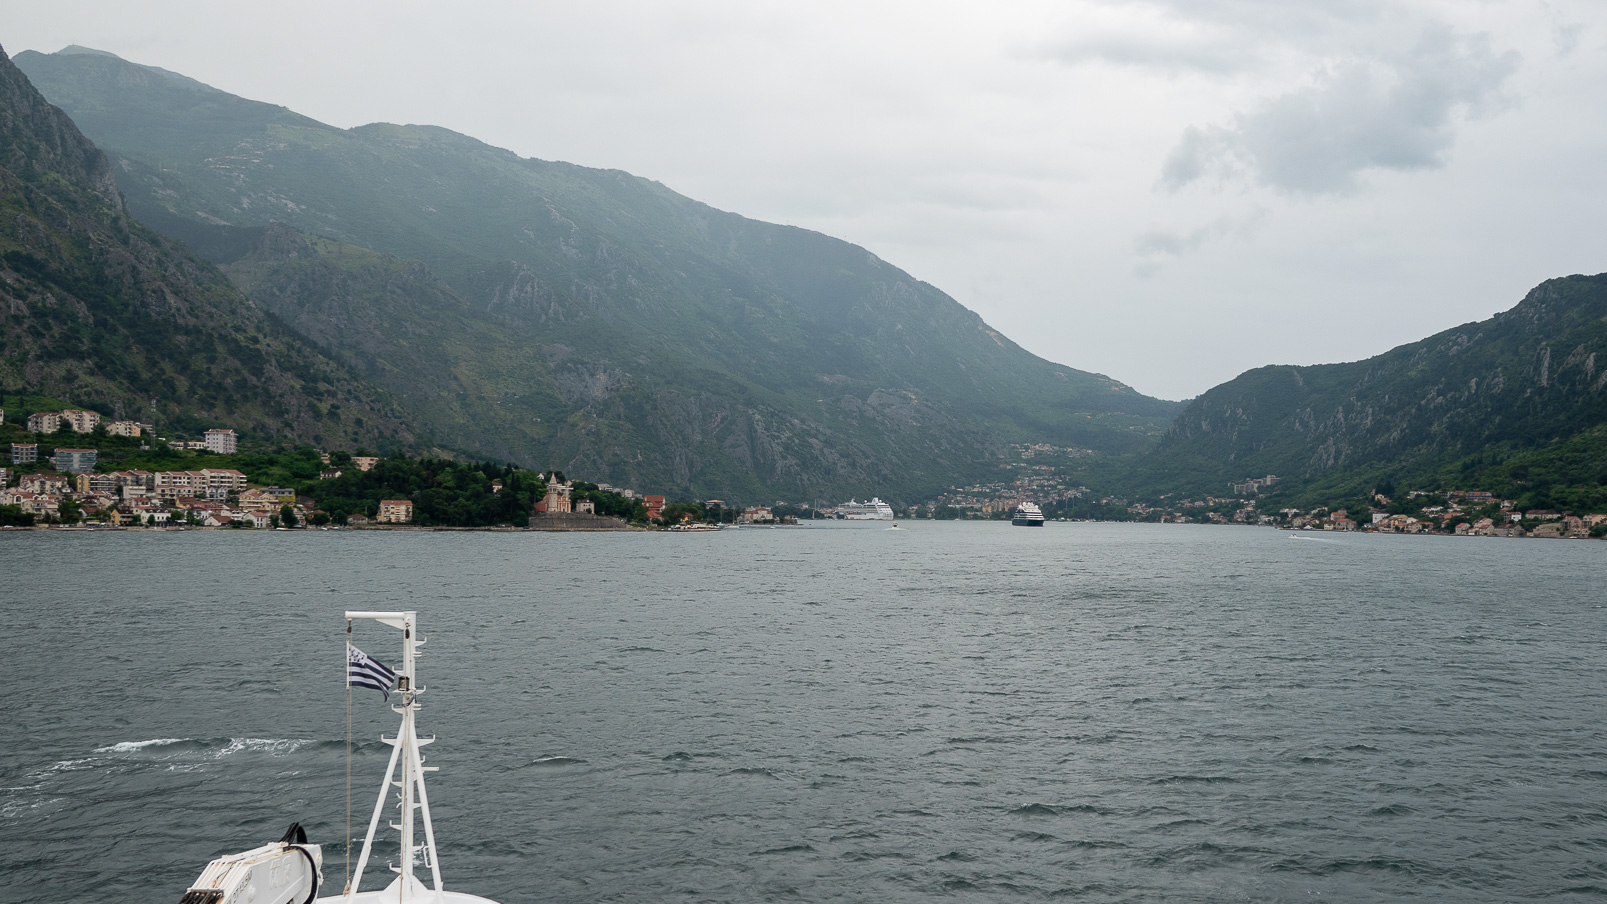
{"x":585,"y":318}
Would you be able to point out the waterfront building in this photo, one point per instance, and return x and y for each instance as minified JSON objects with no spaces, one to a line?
{"x":757,"y":514}
{"x":558,"y":497}
{"x":395,"y":511}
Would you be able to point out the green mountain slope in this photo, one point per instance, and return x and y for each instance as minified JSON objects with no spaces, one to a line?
{"x":1528,"y":386}
{"x":591,"y":319}
{"x":97,"y":309}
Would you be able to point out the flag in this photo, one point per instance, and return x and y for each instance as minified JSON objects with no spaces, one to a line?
{"x":363,"y":671}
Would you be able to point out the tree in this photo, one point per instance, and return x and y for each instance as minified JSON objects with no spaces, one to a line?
{"x":69,"y":511}
{"x":287,"y":516}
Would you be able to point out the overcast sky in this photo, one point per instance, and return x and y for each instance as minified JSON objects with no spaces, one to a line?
{"x":1169,"y":191}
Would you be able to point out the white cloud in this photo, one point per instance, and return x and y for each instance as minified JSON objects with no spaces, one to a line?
{"x":1387,"y":112}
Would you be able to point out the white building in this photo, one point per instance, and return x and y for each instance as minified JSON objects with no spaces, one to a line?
{"x":222,"y":441}
{"x":81,"y":421}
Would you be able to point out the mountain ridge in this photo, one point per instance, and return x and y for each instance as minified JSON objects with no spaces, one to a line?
{"x":1445,"y":408}
{"x":669,"y":341}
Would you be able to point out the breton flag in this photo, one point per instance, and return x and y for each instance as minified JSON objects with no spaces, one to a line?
{"x":363,"y":671}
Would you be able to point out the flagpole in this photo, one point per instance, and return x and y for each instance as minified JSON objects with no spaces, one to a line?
{"x":347,"y":676}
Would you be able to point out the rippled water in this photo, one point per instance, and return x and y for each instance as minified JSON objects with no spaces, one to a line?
{"x":974,"y":711}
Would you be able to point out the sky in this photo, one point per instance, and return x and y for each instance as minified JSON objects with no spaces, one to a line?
{"x":1169,"y":192}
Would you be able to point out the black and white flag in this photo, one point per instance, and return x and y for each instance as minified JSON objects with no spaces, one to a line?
{"x":364,"y":671}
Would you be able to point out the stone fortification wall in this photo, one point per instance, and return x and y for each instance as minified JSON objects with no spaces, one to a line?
{"x":575,"y":521}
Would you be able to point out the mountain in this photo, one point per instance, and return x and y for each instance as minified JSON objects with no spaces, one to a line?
{"x":99,"y":310}
{"x":1470,"y":405}
{"x":553,"y":314}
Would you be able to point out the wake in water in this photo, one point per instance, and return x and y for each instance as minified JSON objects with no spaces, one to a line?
{"x":216,"y":747}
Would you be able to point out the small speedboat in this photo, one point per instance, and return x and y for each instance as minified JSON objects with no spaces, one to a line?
{"x":290,"y":871}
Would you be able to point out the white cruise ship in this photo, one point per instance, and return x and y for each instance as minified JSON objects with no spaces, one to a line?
{"x":874,"y":510}
{"x":1028,"y":515}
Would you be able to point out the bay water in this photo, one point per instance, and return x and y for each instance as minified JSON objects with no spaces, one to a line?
{"x":824,"y":713}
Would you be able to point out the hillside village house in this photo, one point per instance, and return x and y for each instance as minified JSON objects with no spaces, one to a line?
{"x":395,"y":511}
{"x":43,"y":482}
{"x":24,"y":453}
{"x":259,"y":499}
{"x":75,"y":459}
{"x":90,"y":483}
{"x":222,"y":441}
{"x":50,"y":421}
{"x":123,"y":428}
{"x":365,"y":462}
{"x":80,"y":421}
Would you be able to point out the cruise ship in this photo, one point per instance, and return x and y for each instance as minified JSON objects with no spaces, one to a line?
{"x":874,"y":510}
{"x":1028,"y":515}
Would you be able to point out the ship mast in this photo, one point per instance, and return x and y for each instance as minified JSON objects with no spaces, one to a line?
{"x":404,"y":752}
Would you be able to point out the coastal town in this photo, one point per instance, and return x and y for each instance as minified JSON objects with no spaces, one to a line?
{"x":67,"y":483}
{"x":1047,"y":475}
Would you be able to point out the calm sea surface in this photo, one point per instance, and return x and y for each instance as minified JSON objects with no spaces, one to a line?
{"x":849,"y":713}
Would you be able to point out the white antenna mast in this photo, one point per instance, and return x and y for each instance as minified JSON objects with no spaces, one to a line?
{"x":405,"y":747}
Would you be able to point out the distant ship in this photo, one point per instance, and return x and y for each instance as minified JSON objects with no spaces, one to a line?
{"x":874,"y":510}
{"x":1027,"y":515}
